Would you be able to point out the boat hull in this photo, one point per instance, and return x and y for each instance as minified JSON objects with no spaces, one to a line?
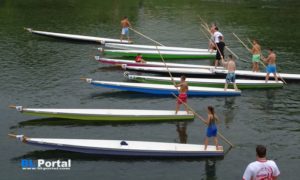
{"x":167,"y":56}
{"x":114,"y":118}
{"x":76,"y":37}
{"x":149,"y":47}
{"x":150,"y":63}
{"x":108,"y":114}
{"x":212,"y":73}
{"x":164,"y":91}
{"x":211,"y":84}
{"x":124,"y":147}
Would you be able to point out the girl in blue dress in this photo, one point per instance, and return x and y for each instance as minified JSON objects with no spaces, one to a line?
{"x":211,"y":130}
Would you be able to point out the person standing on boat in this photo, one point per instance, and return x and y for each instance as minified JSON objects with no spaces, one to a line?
{"x":261,"y":168}
{"x":220,"y":45}
{"x":139,"y":58}
{"x":256,"y":52}
{"x":182,"y":97}
{"x":211,"y":130}
{"x":125,"y":24}
{"x":271,"y":67}
{"x":231,"y":67}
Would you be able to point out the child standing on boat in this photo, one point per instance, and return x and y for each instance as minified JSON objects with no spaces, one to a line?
{"x":182,"y":97}
{"x":211,"y":130}
{"x":125,"y":24}
{"x":271,"y":67}
{"x":256,"y":51}
{"x":231,"y":67}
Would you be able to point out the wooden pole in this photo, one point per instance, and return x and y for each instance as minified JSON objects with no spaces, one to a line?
{"x":205,"y":26}
{"x":260,"y":53}
{"x":202,"y":119}
{"x":145,"y":36}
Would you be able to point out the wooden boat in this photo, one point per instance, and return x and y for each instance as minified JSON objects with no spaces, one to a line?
{"x":153,"y":54}
{"x":107,"y":114}
{"x":123,"y":147}
{"x":211,"y":73}
{"x":202,"y":82}
{"x":76,"y":37}
{"x":148,"y":47}
{"x":160,"y":89}
{"x":150,"y":63}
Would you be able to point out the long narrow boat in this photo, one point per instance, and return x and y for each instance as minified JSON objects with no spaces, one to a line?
{"x":160,"y":89}
{"x":201,"y":82}
{"x":148,"y":47}
{"x":211,"y":73}
{"x":153,"y":54}
{"x":150,"y":63}
{"x":107,"y":114}
{"x":75,"y":37}
{"x":123,"y":147}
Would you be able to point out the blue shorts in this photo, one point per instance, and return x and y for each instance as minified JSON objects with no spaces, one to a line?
{"x":125,"y":31}
{"x":211,"y":131}
{"x":230,"y":78}
{"x":271,"y":68}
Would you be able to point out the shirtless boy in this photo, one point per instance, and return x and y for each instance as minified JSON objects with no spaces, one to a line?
{"x":256,"y":51}
{"x":231,"y":67}
{"x":271,"y":67}
{"x":182,"y":98}
{"x":125,"y":24}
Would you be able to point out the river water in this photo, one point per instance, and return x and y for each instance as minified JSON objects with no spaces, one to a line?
{"x":44,"y":72}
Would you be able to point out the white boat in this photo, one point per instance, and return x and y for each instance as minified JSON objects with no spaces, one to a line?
{"x":76,"y":37}
{"x":107,"y":114}
{"x":123,"y":147}
{"x":161,"y":89}
{"x":212,"y":73}
{"x":150,"y":63}
{"x":154,"y":54}
{"x":205,"y":82}
{"x":149,"y":47}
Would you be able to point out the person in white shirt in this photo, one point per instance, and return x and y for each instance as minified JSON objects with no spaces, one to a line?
{"x":261,"y":168}
{"x":218,"y":40}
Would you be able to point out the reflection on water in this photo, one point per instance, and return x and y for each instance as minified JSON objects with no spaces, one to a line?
{"x":270,"y":99}
{"x":181,"y":129}
{"x":229,"y":105}
{"x":210,"y":169}
{"x":79,"y":123}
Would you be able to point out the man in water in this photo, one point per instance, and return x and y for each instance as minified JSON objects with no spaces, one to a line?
{"x":256,"y":51}
{"x":125,"y":24}
{"x":231,"y":67}
{"x":182,"y":97}
{"x":139,"y":58}
{"x":220,"y":45}
{"x":271,"y":67}
{"x":261,"y":168}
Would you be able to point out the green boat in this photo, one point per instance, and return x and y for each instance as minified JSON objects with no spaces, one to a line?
{"x":202,"y":82}
{"x":108,"y":114}
{"x":153,"y":54}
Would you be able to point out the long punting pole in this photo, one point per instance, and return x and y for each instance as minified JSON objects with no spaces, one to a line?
{"x":200,"y":117}
{"x":250,"y":51}
{"x":145,"y":36}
